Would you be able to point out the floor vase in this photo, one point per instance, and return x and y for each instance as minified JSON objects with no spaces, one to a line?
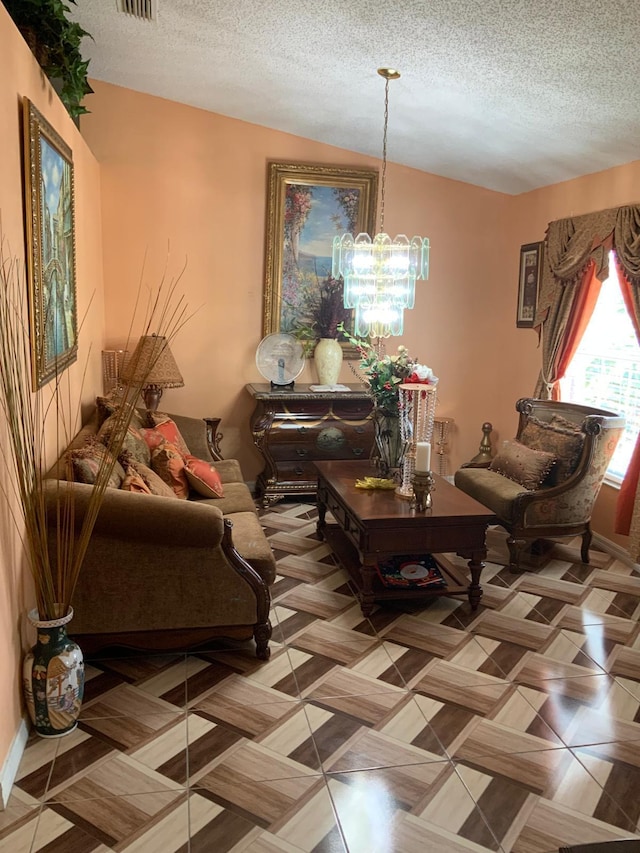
{"x":328,"y":358}
{"x":53,"y":677}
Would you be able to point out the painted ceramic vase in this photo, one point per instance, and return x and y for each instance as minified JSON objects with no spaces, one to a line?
{"x":328,"y":359}
{"x":53,"y":677}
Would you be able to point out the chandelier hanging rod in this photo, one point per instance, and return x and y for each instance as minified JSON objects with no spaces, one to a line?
{"x":388,"y":74}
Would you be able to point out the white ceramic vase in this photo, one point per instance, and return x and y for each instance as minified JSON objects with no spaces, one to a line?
{"x":328,"y":359}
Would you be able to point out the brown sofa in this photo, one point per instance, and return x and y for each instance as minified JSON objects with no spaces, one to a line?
{"x":167,"y":574}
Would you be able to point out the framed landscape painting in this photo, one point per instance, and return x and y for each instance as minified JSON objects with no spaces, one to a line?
{"x":529,"y":283}
{"x":51,"y":259}
{"x":307,"y":206}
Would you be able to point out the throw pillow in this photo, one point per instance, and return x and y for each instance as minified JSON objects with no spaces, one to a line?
{"x":133,"y":482}
{"x":522,"y":464}
{"x":153,"y":481}
{"x":565,"y":443}
{"x":108,"y":405}
{"x":203,"y":477}
{"x":168,"y":463}
{"x":133,"y":441}
{"x":165,"y":430}
{"x":86,"y":462}
{"x":565,"y":423}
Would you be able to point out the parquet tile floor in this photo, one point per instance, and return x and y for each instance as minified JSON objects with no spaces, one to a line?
{"x":422,"y":728}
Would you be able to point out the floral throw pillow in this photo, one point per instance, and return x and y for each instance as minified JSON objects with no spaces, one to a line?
{"x":564,"y":442}
{"x":133,"y":441}
{"x":133,"y":482}
{"x":165,"y":430}
{"x":168,"y":463}
{"x":86,"y":461}
{"x":522,"y":464}
{"x":109,"y":404}
{"x":203,"y":477}
{"x":153,"y":481}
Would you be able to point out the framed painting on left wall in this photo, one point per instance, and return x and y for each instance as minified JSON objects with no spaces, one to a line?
{"x":51,"y":258}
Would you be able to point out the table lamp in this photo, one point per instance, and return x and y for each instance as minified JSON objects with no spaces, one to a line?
{"x":154,"y":367}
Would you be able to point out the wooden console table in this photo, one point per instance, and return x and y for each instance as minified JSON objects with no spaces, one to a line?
{"x":293,"y":429}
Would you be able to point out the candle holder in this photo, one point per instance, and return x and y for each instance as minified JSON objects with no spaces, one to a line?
{"x":423,"y":483}
{"x":417,"y":411}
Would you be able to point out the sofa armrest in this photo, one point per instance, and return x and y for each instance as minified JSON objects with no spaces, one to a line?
{"x":125,"y":515}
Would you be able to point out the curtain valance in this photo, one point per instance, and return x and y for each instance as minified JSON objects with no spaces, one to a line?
{"x":572,"y":243}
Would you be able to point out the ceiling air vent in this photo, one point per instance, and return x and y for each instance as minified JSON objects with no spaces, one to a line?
{"x":145,"y":10}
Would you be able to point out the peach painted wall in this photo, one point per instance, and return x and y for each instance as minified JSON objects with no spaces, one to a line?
{"x":172,"y":174}
{"x":20,"y":76}
{"x":529,"y":215}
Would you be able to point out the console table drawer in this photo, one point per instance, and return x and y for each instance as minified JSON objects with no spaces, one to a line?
{"x":296,"y":472}
{"x":330,"y":440}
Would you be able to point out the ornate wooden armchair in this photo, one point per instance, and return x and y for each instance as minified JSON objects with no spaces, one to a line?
{"x":545,"y":483}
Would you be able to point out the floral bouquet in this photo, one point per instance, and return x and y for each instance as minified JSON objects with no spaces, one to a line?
{"x":323,"y":315}
{"x":383,"y":374}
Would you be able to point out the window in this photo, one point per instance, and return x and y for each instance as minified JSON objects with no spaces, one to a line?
{"x":605,"y":371}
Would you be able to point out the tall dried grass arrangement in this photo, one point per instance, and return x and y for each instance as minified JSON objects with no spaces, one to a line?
{"x":25,"y":453}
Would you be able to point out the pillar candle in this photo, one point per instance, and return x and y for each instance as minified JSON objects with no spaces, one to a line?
{"x":423,"y":456}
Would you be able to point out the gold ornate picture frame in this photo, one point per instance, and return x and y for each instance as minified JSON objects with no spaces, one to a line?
{"x":307,"y":206}
{"x":529,"y":283}
{"x":51,"y":257}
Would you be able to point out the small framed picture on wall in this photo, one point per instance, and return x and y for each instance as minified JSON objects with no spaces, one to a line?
{"x":529,"y":283}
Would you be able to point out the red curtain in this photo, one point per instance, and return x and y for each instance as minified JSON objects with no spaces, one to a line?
{"x":629,"y":487}
{"x":581,"y":311}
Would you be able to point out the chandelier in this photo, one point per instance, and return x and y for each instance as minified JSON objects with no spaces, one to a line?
{"x":380,"y":274}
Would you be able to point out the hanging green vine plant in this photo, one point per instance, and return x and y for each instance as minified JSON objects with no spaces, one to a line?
{"x":55,"y":42}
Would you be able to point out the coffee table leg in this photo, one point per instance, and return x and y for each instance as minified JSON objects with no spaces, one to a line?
{"x":475,"y":590}
{"x":367,"y":574}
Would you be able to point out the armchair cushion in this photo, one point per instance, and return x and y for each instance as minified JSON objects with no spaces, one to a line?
{"x":495,"y":491}
{"x":559,"y":437}
{"x":524,"y":465}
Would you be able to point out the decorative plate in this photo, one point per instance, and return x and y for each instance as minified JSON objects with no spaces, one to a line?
{"x":280,"y":358}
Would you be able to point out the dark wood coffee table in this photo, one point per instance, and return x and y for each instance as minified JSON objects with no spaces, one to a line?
{"x":373,"y":525}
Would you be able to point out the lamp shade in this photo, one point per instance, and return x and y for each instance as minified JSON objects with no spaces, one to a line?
{"x":152,"y":363}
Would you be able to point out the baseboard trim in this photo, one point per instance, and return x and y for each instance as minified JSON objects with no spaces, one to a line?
{"x":615,"y":550}
{"x":12,"y":762}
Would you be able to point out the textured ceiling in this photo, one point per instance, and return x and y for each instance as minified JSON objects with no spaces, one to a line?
{"x":506,"y":94}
